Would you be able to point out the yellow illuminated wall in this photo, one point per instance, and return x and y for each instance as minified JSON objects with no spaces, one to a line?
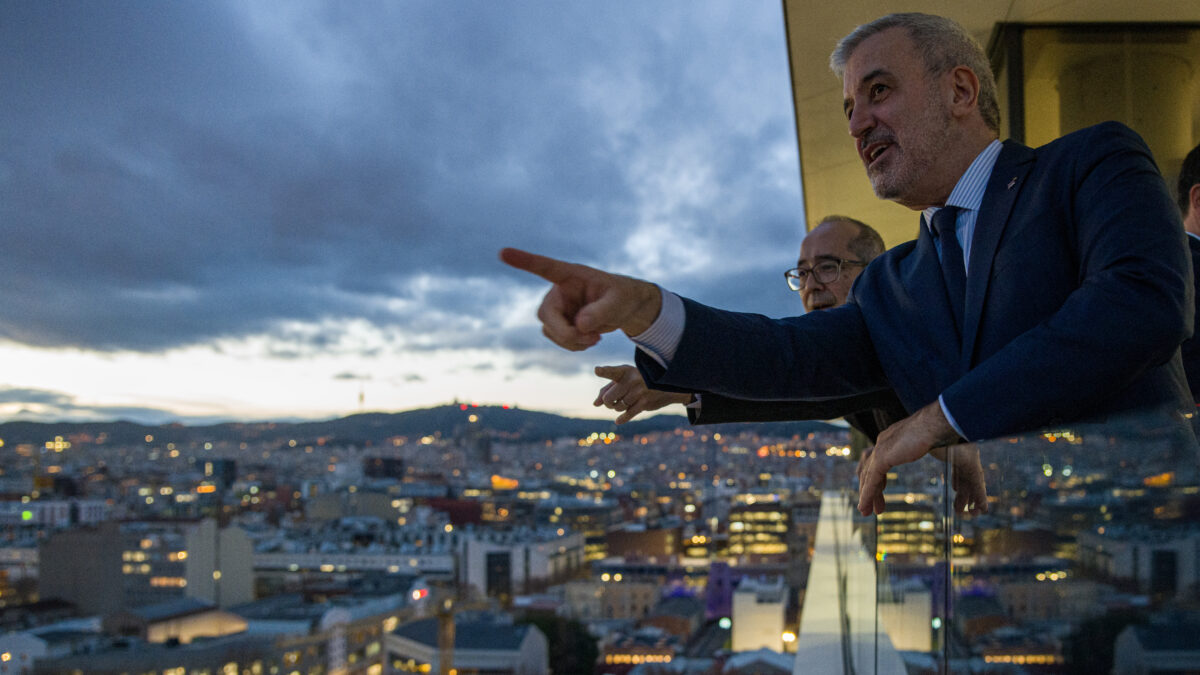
{"x":1144,"y":75}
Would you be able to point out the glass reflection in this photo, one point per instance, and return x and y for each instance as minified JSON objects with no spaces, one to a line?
{"x":1087,"y":559}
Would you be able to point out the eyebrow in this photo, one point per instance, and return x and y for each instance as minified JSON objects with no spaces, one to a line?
{"x":872,"y":75}
{"x":820,"y":258}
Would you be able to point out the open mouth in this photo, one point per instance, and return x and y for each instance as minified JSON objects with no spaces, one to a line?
{"x":874,"y":151}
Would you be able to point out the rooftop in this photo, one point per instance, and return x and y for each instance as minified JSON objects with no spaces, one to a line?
{"x":487,"y":633}
{"x":171,"y":609}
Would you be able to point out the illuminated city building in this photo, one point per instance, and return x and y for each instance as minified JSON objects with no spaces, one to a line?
{"x":232,"y":654}
{"x":1053,"y":596}
{"x":759,"y":611}
{"x":496,"y":563}
{"x":609,"y":597}
{"x":760,"y":528}
{"x":484,"y":643}
{"x":53,"y":513}
{"x":638,"y":542}
{"x":591,"y":517}
{"x":624,"y":651}
{"x":339,"y":631}
{"x":178,"y":621}
{"x":345,"y":503}
{"x":910,"y":528}
{"x":18,"y":573}
{"x":131,"y":564}
{"x":905,"y":609}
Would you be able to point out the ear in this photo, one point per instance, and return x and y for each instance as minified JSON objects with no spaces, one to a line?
{"x":964,"y":88}
{"x":1194,"y":199}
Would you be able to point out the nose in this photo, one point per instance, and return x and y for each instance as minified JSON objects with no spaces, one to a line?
{"x":861,"y":121}
{"x":811,"y":284}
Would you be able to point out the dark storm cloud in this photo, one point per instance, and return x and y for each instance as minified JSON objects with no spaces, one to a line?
{"x":38,"y":396}
{"x":353,"y":377}
{"x":173,"y":173}
{"x":43,"y":405}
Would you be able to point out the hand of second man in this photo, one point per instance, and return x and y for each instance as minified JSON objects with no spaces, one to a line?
{"x":628,"y":394}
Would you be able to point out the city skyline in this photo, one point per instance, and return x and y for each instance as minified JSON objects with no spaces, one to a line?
{"x":223,"y":211}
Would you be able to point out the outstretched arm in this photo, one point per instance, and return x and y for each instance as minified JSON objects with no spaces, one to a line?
{"x":584,"y":302}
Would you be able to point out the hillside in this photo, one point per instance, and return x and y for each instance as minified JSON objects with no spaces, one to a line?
{"x":372,"y":428}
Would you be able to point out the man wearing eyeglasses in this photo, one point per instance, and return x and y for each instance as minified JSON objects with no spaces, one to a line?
{"x":831,"y":257}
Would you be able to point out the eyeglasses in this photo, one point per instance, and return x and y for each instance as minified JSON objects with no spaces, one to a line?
{"x":824,"y":272}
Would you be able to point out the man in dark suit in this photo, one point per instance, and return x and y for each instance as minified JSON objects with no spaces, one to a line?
{"x":1188,"y":194}
{"x":1057,"y":289}
{"x":831,"y":257}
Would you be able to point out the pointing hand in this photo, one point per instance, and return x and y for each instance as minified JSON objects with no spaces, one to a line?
{"x":585,"y":302}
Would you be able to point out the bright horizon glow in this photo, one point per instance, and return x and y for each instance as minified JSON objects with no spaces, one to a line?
{"x":200,"y":384}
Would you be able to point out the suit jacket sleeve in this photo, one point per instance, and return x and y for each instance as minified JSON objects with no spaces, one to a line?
{"x":1128,"y":310}
{"x":718,"y":409}
{"x":825,"y":355}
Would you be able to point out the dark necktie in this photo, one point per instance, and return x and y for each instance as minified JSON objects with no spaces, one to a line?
{"x":953,"y":271}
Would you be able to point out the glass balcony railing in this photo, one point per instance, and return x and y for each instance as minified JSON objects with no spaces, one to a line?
{"x":1086,"y":561}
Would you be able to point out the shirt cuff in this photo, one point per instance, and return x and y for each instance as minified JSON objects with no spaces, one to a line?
{"x":950,"y":418}
{"x":661,"y":339}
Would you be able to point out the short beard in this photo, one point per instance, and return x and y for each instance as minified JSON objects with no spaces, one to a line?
{"x":922,"y":152}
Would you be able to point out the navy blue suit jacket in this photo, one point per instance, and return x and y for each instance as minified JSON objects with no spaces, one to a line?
{"x":1079,"y":293}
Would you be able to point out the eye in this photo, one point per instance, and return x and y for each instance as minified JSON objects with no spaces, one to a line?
{"x":878,"y":90}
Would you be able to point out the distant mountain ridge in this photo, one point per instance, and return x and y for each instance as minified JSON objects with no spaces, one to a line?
{"x":374,"y":428}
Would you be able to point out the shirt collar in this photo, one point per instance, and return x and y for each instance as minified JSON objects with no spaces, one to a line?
{"x":968,"y":192}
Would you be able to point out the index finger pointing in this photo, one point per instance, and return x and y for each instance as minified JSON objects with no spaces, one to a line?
{"x":613,"y":373}
{"x":549,"y":269}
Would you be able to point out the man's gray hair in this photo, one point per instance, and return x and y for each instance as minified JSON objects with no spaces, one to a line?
{"x":867,"y":244}
{"x":943,"y":45}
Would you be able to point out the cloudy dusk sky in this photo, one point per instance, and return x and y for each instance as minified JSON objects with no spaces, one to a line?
{"x":267,"y":210}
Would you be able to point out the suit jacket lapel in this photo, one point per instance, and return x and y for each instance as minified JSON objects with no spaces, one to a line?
{"x":1005,"y":183}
